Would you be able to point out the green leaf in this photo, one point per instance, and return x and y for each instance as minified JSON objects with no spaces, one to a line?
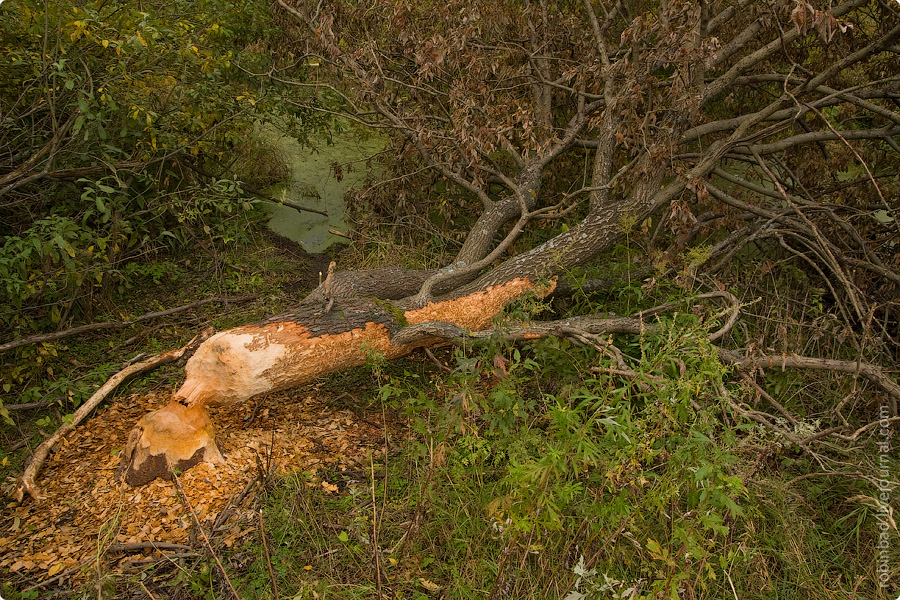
{"x":343,"y":536}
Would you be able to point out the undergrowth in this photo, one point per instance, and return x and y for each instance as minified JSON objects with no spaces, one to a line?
{"x":45,"y":383}
{"x":540,"y":471}
{"x":533,"y":472}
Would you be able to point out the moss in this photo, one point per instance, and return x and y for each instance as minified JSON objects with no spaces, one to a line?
{"x":397,"y":313}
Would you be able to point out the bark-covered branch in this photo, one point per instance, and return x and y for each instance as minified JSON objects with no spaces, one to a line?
{"x":56,"y":335}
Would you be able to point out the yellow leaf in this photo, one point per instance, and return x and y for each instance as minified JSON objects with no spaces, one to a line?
{"x":141,"y":39}
{"x":307,"y":568}
{"x":55,"y":569}
{"x":105,"y":43}
{"x":429,"y":585}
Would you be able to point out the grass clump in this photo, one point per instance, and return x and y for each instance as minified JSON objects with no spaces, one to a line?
{"x":532,"y":473}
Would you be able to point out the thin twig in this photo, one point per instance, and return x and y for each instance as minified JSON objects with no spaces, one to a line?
{"x":262,"y":533}
{"x":437,"y":362}
{"x":46,"y":337}
{"x":141,"y":546}
{"x":62,"y":575}
{"x":143,"y":587}
{"x":375,"y":528}
{"x":234,"y":501}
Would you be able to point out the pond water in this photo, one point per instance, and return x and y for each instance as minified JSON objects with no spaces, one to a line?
{"x":312,"y":184}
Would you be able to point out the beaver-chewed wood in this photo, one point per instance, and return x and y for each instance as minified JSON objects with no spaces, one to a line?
{"x":287,"y":350}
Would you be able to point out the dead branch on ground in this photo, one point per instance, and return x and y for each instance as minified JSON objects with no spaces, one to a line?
{"x":47,"y":337}
{"x":26,"y":483}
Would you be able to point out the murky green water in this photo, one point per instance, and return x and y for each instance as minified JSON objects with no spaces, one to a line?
{"x":312,"y":175}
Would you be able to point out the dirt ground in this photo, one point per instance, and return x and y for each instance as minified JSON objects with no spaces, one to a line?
{"x":85,"y":513}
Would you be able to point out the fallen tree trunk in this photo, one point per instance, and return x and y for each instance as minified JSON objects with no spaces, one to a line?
{"x":287,"y":350}
{"x":297,"y":346}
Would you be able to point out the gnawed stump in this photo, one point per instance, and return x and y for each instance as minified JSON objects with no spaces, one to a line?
{"x":176,"y":436}
{"x":285,"y":351}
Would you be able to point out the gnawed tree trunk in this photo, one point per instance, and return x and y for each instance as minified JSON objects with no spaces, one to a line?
{"x":287,"y":350}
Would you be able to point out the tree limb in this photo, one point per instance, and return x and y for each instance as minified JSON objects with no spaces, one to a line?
{"x":873,"y":373}
{"x":47,"y":337}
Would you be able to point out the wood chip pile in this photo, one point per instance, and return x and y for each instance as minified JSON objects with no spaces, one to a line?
{"x":86,"y":512}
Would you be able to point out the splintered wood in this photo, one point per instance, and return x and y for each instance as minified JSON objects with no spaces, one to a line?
{"x":86,"y":512}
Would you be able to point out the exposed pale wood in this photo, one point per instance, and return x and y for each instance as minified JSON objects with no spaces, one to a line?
{"x":287,"y":350}
{"x":175,"y":437}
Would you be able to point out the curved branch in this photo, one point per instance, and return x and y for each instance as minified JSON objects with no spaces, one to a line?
{"x":26,"y":483}
{"x":461,"y":270}
{"x":873,"y":373}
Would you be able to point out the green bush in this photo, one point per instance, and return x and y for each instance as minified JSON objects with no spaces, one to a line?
{"x":121,"y":124}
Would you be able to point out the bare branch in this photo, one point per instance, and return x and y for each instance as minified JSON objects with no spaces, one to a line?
{"x":720,"y":84}
{"x":56,"y":335}
{"x":873,"y":373}
{"x":818,"y":136}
